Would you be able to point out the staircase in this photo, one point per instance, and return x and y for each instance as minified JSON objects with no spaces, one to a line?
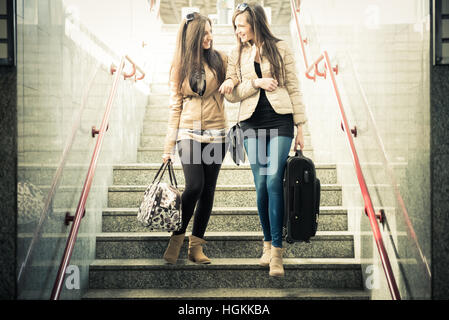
{"x":129,"y":262}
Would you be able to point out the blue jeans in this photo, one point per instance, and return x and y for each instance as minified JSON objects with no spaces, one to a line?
{"x":267,"y":157}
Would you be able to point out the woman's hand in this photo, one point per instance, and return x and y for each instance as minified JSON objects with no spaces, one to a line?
{"x":268,"y":84}
{"x":299,"y":138}
{"x":226,"y":87}
{"x":166,"y":157}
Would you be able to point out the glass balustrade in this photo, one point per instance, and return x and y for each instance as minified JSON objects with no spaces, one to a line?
{"x":64,"y":81}
{"x":382,"y":54}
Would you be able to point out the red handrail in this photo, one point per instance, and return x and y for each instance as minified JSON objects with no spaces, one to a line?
{"x":87,"y":184}
{"x":369,"y":210}
{"x":155,"y":6}
{"x":135,"y":67}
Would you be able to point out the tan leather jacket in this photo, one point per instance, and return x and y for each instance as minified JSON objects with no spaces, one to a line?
{"x":189,"y":110}
{"x":287,"y":98}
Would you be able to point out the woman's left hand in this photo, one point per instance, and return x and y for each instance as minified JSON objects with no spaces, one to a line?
{"x":226,"y":87}
{"x":299,"y":138}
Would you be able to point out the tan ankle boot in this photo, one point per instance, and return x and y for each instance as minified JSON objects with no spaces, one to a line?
{"x":276,"y":267}
{"x":266,"y":256}
{"x":195,"y":253}
{"x":174,"y":247}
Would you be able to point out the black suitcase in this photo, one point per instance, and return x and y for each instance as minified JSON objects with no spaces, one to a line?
{"x":301,"y":199}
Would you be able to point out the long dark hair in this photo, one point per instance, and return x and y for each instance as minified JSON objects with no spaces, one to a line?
{"x":190,"y":55}
{"x":263,"y":37}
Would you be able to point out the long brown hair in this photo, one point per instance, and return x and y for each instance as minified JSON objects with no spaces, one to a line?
{"x":263,"y":37}
{"x":190,"y":55}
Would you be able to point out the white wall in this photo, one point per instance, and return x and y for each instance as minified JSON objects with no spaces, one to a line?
{"x":121,"y":24}
{"x":345,"y":12}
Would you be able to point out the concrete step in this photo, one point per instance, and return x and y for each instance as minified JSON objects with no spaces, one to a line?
{"x":50,"y":246}
{"x":49,"y":157}
{"x":225,"y":45}
{"x":222,"y":219}
{"x":68,"y":196}
{"x":154,"y":155}
{"x":159,"y":139}
{"x":223,"y":273}
{"x":145,"y":155}
{"x":228,"y":294}
{"x":172,"y":29}
{"x":141,"y":174}
{"x":225,"y":195}
{"x":161,"y":100}
{"x":156,"y":115}
{"x":156,"y":120}
{"x":37,"y":143}
{"x":158,"y":100}
{"x":229,"y":244}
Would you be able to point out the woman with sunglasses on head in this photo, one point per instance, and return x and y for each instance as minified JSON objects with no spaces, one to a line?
{"x":262,"y":68}
{"x":196,"y":124}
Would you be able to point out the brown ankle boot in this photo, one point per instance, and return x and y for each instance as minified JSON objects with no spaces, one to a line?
{"x":276,"y":267}
{"x":174,"y":247}
{"x":266,"y":256}
{"x":195,"y":252}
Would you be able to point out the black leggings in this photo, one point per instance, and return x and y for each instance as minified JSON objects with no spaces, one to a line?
{"x":201,"y":173}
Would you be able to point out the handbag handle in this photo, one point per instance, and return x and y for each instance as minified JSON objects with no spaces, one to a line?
{"x":240,"y":103}
{"x":171,"y":173}
{"x":163,"y":166}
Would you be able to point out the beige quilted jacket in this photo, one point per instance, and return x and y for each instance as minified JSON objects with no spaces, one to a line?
{"x":287,"y":98}
{"x":189,"y":110}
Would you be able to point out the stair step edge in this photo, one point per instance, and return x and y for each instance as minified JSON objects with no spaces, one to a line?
{"x":156,"y":166}
{"x":223,"y":211}
{"x":122,"y":188}
{"x":214,"y":236}
{"x":220,"y":263}
{"x":227,"y":293}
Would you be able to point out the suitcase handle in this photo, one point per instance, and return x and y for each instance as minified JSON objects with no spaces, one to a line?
{"x":299,"y":153}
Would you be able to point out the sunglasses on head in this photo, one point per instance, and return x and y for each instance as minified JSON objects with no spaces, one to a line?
{"x":243,"y":6}
{"x":190,"y":17}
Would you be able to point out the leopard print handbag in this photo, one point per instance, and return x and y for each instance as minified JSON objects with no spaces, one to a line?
{"x":160,"y":209}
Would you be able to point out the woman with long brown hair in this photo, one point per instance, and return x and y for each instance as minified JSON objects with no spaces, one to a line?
{"x":196,"y":124}
{"x":263,"y":69}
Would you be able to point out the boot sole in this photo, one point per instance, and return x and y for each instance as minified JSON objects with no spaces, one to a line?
{"x":169,"y":262}
{"x":203,"y":262}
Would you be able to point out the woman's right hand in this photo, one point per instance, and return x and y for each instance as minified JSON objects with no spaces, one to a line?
{"x":268,"y":84}
{"x":166,"y":157}
{"x":226,"y":87}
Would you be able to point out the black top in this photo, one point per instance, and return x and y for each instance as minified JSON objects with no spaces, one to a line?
{"x":264,"y":117}
{"x":198,"y":82}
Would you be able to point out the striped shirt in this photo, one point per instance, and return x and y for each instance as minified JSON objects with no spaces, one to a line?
{"x":203,"y":136}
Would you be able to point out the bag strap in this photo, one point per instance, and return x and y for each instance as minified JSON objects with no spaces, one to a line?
{"x":241,"y":79}
{"x":159,"y":171}
{"x":171,"y":173}
{"x":164,"y":167}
